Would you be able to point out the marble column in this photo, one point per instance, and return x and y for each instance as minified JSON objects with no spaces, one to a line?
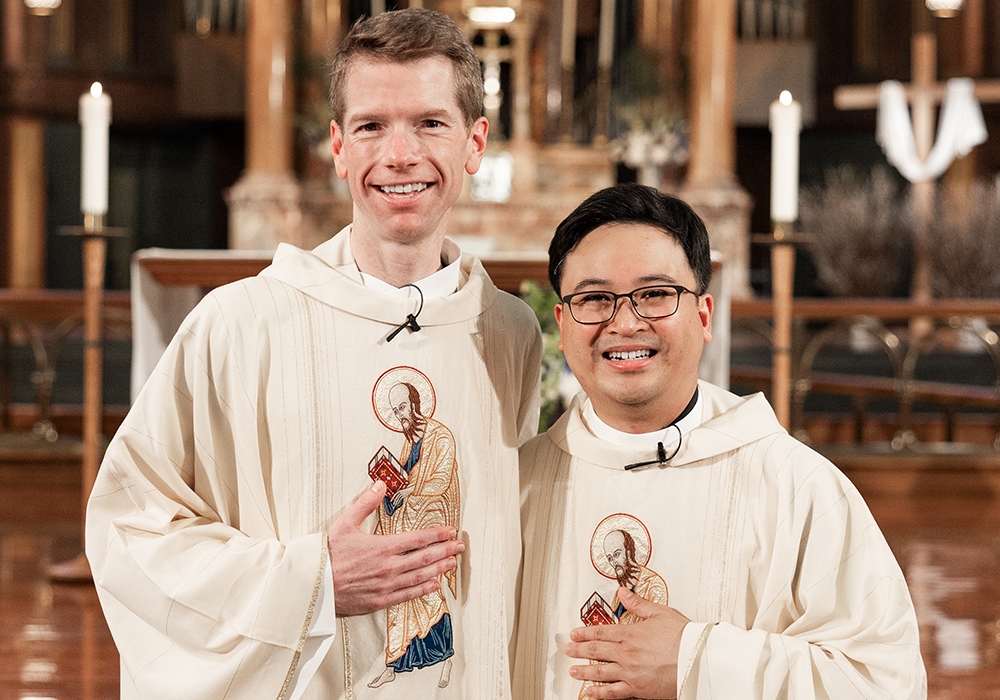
{"x":605,"y":55}
{"x":711,"y":186}
{"x":26,"y":225}
{"x":491,"y":58}
{"x":264,"y":203}
{"x":567,"y":63}
{"x":22,"y":150}
{"x":520,"y":33}
{"x":661,"y":28}
{"x":322,"y":30}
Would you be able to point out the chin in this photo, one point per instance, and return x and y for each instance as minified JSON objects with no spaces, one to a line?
{"x":631,"y":398}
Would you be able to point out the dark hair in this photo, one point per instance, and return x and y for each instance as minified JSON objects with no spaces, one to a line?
{"x":629,"y":545}
{"x":414,"y":396}
{"x":634,"y":204}
{"x":408,"y":35}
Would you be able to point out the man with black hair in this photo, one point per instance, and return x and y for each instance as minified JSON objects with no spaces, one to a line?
{"x":780,"y":584}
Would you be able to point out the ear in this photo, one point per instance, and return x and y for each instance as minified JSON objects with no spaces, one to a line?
{"x":477,"y":141}
{"x":337,"y":149}
{"x":558,"y":311}
{"x":706,"y":305}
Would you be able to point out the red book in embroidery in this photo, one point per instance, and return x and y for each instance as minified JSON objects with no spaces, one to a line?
{"x":597,"y":611}
{"x":385,"y":467}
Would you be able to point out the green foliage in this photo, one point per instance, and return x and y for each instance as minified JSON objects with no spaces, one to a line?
{"x":542,"y":300}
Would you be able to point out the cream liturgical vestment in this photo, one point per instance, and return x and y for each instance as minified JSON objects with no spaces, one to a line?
{"x":279,"y":395}
{"x":761,"y":542}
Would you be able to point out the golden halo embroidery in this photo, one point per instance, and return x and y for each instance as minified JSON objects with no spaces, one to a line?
{"x":401,"y":375}
{"x":422,"y":492}
{"x":626,"y":523}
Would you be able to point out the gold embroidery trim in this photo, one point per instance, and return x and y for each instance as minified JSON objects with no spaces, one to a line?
{"x":309,"y":615}
{"x":702,"y":638}
{"x":348,"y":676}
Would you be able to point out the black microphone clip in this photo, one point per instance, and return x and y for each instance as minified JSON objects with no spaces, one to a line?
{"x":661,"y":454}
{"x":411,"y":319}
{"x":410,"y":322}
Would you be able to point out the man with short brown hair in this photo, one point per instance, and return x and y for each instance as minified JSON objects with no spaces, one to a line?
{"x":232,"y":553}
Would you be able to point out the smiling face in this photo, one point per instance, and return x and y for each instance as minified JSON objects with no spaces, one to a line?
{"x":638,"y":373}
{"x":404,"y":147}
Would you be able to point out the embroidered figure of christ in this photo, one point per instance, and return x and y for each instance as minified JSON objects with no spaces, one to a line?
{"x":620,"y":549}
{"x":419,"y":631}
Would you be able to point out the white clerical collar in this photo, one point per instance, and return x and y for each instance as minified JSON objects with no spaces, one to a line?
{"x":669,"y":435}
{"x":435,"y":286}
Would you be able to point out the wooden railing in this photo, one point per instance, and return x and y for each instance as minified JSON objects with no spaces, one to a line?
{"x":44,"y":319}
{"x":904,"y":348}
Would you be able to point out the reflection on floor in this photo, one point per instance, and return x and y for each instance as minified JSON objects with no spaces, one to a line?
{"x":949,"y":549}
{"x":54,"y":644}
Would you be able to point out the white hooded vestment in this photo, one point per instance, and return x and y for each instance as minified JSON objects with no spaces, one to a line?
{"x":206,"y":529}
{"x":763,"y":544}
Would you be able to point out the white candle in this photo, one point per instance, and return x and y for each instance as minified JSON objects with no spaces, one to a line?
{"x":786,"y":123}
{"x":95,"y":118}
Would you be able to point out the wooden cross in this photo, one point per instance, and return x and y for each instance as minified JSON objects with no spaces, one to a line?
{"x":925,"y":94}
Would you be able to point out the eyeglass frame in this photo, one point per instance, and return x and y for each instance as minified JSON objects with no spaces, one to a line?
{"x":679,"y":288}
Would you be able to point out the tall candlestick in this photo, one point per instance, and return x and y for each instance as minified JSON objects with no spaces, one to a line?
{"x":95,"y":118}
{"x":785,"y":123}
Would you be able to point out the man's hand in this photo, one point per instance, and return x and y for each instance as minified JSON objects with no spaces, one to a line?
{"x":372,"y":572}
{"x":642,"y":657}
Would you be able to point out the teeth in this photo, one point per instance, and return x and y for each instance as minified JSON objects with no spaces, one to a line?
{"x":404,"y":189}
{"x":633,"y":355}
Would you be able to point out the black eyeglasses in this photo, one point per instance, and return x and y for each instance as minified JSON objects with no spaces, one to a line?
{"x":651,"y":303}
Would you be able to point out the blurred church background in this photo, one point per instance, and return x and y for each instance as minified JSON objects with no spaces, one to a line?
{"x":220,"y":114}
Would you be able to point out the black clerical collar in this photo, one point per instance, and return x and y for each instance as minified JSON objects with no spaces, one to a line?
{"x":687,"y":409}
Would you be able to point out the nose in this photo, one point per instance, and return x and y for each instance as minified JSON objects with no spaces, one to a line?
{"x":402,"y":148}
{"x":625,"y":319}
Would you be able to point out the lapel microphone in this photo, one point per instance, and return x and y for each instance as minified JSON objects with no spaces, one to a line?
{"x":411,"y":319}
{"x":661,"y":453}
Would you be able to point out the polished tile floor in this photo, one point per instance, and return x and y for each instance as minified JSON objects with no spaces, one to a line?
{"x":54,"y":644}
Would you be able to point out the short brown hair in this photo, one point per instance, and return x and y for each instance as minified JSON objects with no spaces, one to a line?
{"x":408,"y":35}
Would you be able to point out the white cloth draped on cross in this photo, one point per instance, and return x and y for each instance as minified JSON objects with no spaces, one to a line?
{"x":961,"y":129}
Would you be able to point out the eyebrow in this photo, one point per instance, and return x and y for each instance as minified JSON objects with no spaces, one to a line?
{"x":591,"y":282}
{"x":368,"y":117}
